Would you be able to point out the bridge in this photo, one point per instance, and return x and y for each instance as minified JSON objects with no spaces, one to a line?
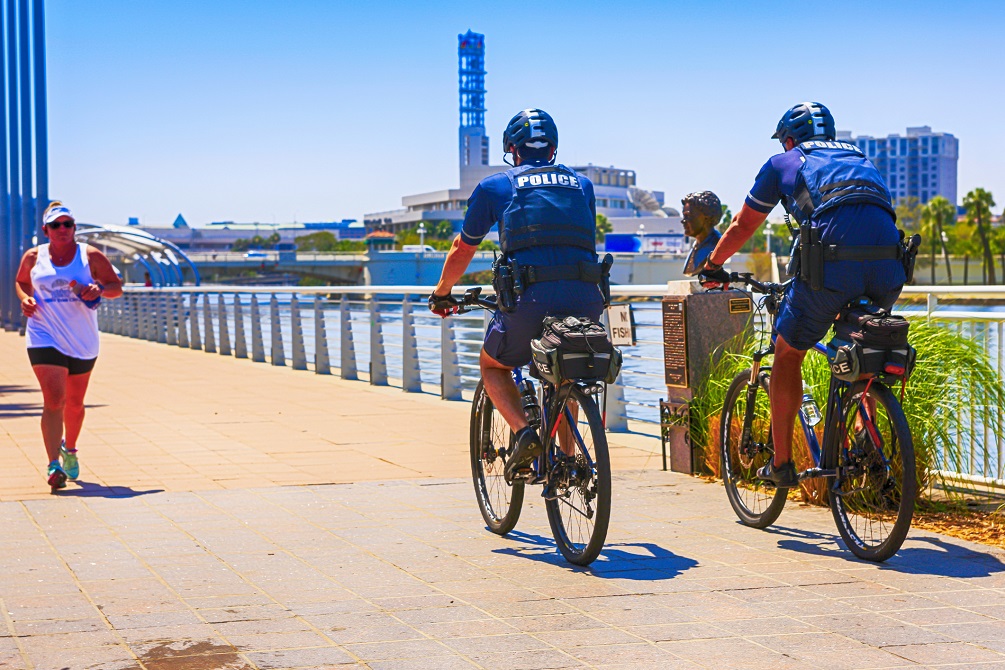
{"x":241,"y":514}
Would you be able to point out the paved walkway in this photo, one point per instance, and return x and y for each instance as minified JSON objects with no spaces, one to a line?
{"x":211,"y":531}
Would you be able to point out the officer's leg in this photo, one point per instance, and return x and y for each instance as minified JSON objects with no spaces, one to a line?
{"x":786,"y":392}
{"x":499,"y":384}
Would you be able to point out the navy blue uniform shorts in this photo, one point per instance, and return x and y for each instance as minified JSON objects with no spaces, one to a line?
{"x":508,"y":336}
{"x":806,"y":315}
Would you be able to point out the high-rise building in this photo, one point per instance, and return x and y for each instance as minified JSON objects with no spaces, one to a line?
{"x":921,"y":164}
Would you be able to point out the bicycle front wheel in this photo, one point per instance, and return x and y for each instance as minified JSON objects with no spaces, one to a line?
{"x":491,"y":444}
{"x":872,"y":498}
{"x":579,"y":491}
{"x":743,"y":448}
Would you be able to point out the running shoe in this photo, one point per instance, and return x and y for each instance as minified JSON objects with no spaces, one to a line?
{"x":70,"y":463}
{"x":57,"y":478}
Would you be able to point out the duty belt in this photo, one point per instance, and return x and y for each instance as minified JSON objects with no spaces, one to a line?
{"x":584,"y":271}
{"x":835,"y":252}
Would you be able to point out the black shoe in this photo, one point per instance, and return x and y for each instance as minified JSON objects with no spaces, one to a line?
{"x":783,"y":476}
{"x":526,"y":448}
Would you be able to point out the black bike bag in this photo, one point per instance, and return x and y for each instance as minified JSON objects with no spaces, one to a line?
{"x":574,"y":348}
{"x":871,"y":341}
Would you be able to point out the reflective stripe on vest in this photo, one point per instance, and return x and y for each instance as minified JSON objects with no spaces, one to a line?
{"x":832,"y":174}
{"x":549,"y":208}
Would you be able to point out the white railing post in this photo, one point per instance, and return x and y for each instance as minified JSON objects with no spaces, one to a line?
{"x":195,"y":341}
{"x":257,"y":341}
{"x":378,"y":358}
{"x":161,"y":322}
{"x":135,"y":317}
{"x":347,"y":352}
{"x":240,"y":341}
{"x":410,"y":378}
{"x":208,"y":336}
{"x":297,"y":330}
{"x":171,"y":310}
{"x":182,"y":320}
{"x":615,"y":408}
{"x":224,"y":326}
{"x":278,"y":356}
{"x":450,"y":375}
{"x":322,"y":364}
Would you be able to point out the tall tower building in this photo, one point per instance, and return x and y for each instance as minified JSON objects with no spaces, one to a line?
{"x":474,"y":143}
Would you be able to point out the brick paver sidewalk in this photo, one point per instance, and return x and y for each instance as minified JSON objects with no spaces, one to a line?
{"x":226,"y":540}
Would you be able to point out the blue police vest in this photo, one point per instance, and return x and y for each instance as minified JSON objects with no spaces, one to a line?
{"x":833,"y":174}
{"x":549,"y":208}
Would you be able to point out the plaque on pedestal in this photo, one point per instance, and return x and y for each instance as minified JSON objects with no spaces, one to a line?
{"x":695,"y":325}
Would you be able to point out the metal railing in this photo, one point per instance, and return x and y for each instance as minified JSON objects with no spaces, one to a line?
{"x":386,"y":336}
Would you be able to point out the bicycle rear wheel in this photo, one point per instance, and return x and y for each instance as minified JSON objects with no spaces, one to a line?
{"x":756,"y":504}
{"x":872,"y":499}
{"x":491,"y":444}
{"x":579,"y":493}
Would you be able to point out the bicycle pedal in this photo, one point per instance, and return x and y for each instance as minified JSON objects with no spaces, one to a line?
{"x":537,"y":480}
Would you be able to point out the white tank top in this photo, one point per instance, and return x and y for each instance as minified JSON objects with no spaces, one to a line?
{"x":62,"y":320}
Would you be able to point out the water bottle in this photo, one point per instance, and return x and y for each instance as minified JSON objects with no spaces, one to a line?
{"x":78,"y":289}
{"x":810,"y":410}
{"x":528,"y":398}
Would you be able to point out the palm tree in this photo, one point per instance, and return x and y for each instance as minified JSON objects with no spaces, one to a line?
{"x":979,"y":203}
{"x":938,"y":214}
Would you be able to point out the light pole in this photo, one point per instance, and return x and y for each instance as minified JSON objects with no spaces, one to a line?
{"x":422,"y":237}
{"x":767,"y":235}
{"x":642,"y":238}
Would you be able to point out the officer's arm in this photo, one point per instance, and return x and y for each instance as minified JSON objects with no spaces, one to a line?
{"x":458,"y":259}
{"x":740,"y":230}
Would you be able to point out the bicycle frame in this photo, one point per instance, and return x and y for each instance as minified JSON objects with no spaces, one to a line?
{"x":554,"y":409}
{"x":822,"y":465}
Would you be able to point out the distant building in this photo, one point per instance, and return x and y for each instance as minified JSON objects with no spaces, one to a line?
{"x":220,"y":235}
{"x":611,"y":184}
{"x":921,"y":164}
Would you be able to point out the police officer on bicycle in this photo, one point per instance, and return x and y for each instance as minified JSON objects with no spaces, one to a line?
{"x":847,"y":245}
{"x":546,"y":213}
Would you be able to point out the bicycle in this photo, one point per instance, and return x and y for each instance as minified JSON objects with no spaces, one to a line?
{"x":866,"y":454}
{"x":577,"y":487}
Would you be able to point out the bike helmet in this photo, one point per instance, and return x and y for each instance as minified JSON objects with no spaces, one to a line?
{"x":532,"y":127}
{"x":805,"y":121}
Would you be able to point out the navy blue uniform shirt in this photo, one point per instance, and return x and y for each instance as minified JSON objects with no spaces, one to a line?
{"x":485,"y":209}
{"x":806,"y":315}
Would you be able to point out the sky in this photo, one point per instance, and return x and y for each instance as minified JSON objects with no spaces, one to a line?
{"x":293,"y":110}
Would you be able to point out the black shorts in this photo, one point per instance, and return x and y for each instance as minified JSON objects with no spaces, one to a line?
{"x":53,"y":356}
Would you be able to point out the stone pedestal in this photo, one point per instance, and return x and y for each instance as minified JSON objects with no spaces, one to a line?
{"x":695,"y":324}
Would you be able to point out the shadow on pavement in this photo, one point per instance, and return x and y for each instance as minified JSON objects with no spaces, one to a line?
{"x":942,"y":558}
{"x":91,"y":490}
{"x":16,"y":388}
{"x":647,"y":562}
{"x":18,"y":410}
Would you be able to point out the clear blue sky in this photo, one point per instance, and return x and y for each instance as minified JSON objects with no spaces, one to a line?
{"x":296,"y":110}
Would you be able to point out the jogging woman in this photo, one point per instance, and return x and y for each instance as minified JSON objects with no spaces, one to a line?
{"x":60,"y":285}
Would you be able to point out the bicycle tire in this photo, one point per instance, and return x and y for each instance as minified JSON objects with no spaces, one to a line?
{"x":756,"y":504}
{"x":566,"y":512}
{"x":499,"y":502}
{"x":870,"y":491}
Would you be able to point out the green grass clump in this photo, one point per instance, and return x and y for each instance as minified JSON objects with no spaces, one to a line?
{"x":954,"y":397}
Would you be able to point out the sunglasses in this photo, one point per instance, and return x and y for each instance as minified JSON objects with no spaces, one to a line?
{"x":56,"y":225}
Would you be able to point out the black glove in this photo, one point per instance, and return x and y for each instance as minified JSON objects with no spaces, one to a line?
{"x":713,"y":278}
{"x":443,"y":305}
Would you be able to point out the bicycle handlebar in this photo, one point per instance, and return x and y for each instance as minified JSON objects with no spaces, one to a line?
{"x":472,"y":300}
{"x":747,"y":279}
